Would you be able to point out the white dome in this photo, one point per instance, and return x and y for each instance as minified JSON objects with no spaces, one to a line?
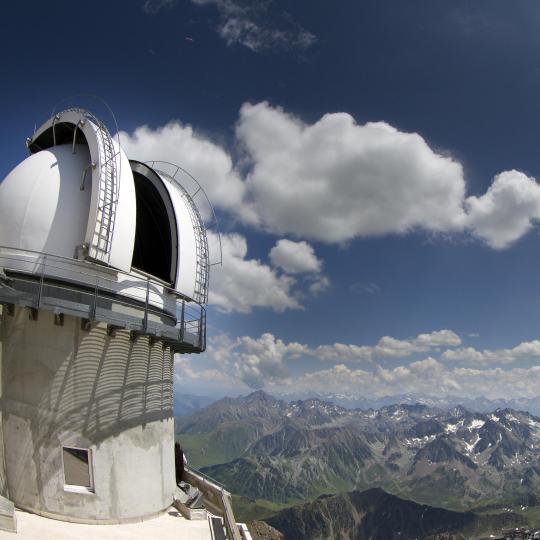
{"x":42,"y":207}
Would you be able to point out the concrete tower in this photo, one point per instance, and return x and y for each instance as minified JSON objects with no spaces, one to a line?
{"x":103,"y":277}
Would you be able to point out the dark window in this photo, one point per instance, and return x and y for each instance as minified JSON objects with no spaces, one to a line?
{"x":153,"y":244}
{"x":77,"y":467}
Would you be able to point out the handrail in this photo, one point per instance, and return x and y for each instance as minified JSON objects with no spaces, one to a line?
{"x":102,"y":297}
{"x":206,"y":477}
{"x":209,"y":485}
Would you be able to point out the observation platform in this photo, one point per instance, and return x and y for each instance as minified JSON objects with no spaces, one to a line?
{"x":135,"y":302}
{"x":168,"y":526}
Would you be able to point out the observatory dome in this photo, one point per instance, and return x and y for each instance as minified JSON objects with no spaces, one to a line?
{"x":104,"y":271}
{"x":46,"y":200}
{"x":42,"y":207}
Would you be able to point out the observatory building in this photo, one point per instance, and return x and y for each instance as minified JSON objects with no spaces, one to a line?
{"x":103,"y":277}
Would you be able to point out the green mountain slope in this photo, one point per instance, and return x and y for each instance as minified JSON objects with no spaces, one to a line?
{"x":377,"y":515}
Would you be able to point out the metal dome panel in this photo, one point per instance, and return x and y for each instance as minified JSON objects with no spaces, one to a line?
{"x":109,"y":236}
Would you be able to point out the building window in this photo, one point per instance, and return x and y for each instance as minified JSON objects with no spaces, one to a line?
{"x":77,"y":468}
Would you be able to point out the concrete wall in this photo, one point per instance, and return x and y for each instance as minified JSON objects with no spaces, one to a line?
{"x":65,"y":386}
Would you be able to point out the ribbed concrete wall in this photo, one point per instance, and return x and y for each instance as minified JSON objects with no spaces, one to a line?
{"x":65,"y":386}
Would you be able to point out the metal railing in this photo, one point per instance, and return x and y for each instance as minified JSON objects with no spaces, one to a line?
{"x":216,"y":498}
{"x":97,"y":293}
{"x":174,"y":173}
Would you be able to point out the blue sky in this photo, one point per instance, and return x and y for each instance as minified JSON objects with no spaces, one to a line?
{"x":373,"y":165}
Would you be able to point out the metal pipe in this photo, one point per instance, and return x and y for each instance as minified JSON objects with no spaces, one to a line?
{"x":40,"y":292}
{"x":81,"y":123}
{"x":182,"y":321}
{"x":93,"y":308}
{"x":145,"y":319}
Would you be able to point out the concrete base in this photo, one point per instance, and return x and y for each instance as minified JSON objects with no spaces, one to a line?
{"x":65,"y":386}
{"x":8,"y":519}
{"x":169,"y":525}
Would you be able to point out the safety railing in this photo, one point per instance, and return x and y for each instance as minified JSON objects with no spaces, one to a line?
{"x":216,"y":499}
{"x":93,"y":292}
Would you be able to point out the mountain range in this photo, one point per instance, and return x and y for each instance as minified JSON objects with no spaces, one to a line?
{"x":185,"y":404}
{"x":265,"y":448}
{"x":473,"y":404}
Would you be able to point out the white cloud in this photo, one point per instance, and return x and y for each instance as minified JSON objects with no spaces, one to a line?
{"x":423,"y":377}
{"x":389,"y":347}
{"x":255,"y":361}
{"x":246,"y":23}
{"x":335,"y":180}
{"x":151,"y":7}
{"x":319,"y":284}
{"x":295,"y":257}
{"x":266,"y":361}
{"x":526,"y":350}
{"x":365,"y":288}
{"x":506,"y":211}
{"x":184,"y":371}
{"x":177,"y":143}
{"x":242,"y":284}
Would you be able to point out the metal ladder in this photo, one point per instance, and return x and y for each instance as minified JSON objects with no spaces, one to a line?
{"x":108,"y":183}
{"x":107,"y":193}
{"x":202,"y":271}
{"x":201,"y":246}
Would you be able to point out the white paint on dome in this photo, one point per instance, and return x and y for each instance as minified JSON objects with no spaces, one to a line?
{"x":42,"y":207}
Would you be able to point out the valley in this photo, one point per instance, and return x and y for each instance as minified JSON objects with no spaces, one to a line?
{"x":275,"y":455}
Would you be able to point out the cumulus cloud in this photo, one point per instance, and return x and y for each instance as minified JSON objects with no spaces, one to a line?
{"x":182,"y":145}
{"x":422,"y":377}
{"x":318,"y":284}
{"x":255,"y":361}
{"x":295,"y":257}
{"x":469,"y":355}
{"x":267,"y":361}
{"x":389,"y":347}
{"x":506,"y":211}
{"x":246,"y":23}
{"x":335,"y":180}
{"x":185,"y":372}
{"x":242,"y":283}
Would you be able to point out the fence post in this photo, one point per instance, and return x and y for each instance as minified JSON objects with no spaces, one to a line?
{"x":41,"y":278}
{"x":182,"y":321}
{"x":145,"y":320}
{"x":93,"y":307}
